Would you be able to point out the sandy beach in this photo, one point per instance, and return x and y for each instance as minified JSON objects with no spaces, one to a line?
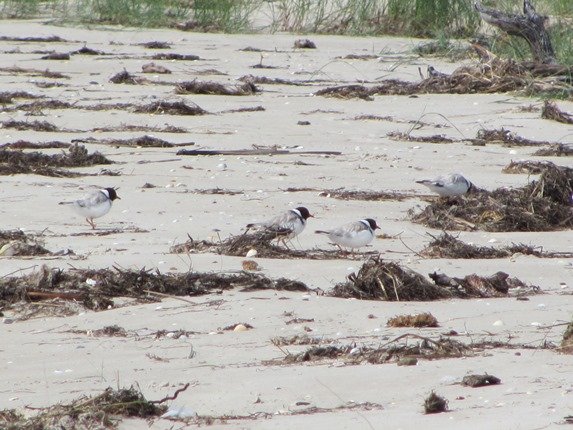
{"x":241,"y":375}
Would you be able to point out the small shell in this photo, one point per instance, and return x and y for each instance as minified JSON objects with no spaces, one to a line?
{"x":240,"y":327}
{"x":252,"y":253}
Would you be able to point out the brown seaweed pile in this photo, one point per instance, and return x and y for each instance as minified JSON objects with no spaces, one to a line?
{"x":16,"y":243}
{"x":145,"y":141}
{"x":95,"y":289}
{"x":388,"y":281}
{"x":425,"y":319}
{"x":449,"y":246}
{"x":506,"y":137}
{"x":526,"y":167}
{"x":215,"y":88}
{"x":542,"y":205}
{"x":393,"y":351}
{"x":381,"y":280}
{"x":102,"y":411}
{"x":491,"y":75}
{"x":551,"y":111}
{"x":15,"y":162}
{"x":555,"y":150}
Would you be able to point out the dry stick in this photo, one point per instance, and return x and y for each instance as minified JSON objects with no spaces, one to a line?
{"x":18,"y":270}
{"x":173,"y":397}
{"x":434,"y":113}
{"x":382,"y":286}
{"x":417,"y":253}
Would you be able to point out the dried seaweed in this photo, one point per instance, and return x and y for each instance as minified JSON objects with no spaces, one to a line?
{"x":56,"y":56}
{"x":173,"y":56}
{"x":95,"y":289}
{"x":171,"y":108}
{"x":135,"y":142}
{"x":126,"y":78}
{"x":425,"y":319}
{"x":555,"y":150}
{"x":262,"y":243}
{"x":16,"y":243}
{"x":29,"y":125}
{"x":390,"y":352}
{"x":506,"y":137}
{"x":24,"y":144}
{"x":437,"y":138}
{"x":381,"y":280}
{"x":491,"y":75}
{"x":480,"y":380}
{"x":364,"y":195}
{"x":33,"y":72}
{"x":526,"y":166}
{"x":155,"y":45}
{"x":448,"y":246}
{"x":567,"y":341}
{"x":298,"y":339}
{"x":8,"y":96}
{"x":16,"y":162}
{"x":101,"y":411}
{"x":270,"y":81}
{"x":43,"y":39}
{"x":435,"y":404}
{"x":542,"y":205}
{"x":215,"y":88}
{"x":475,"y":286}
{"x":551,"y":111}
{"x":304,"y":44}
{"x":388,"y":281}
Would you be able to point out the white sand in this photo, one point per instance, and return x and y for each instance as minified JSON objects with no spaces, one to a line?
{"x":42,"y":363}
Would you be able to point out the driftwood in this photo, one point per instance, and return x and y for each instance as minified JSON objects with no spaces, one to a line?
{"x":258,"y":151}
{"x":530,"y":26}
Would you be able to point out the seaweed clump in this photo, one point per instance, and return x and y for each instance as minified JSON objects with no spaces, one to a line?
{"x":101,"y":411}
{"x":215,"y":88}
{"x":15,"y":162}
{"x":386,"y":280}
{"x":448,"y":246}
{"x":95,"y":289}
{"x":14,"y":243}
{"x":542,"y":205}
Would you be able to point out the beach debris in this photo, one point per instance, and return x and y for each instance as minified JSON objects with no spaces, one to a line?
{"x":24,"y":144}
{"x":237,"y":327}
{"x":29,"y":125}
{"x":215,"y":88}
{"x":555,"y":150}
{"x":155,"y":45}
{"x":407,"y":361}
{"x":435,"y":404}
{"x":298,"y":339}
{"x":100,"y":411}
{"x":16,"y":243}
{"x":56,"y":56}
{"x":126,"y":78}
{"x":567,"y":341}
{"x":448,"y":246}
{"x":179,"y":413}
{"x":542,"y":205}
{"x":304,"y":44}
{"x":271,"y":81}
{"x":386,"y":280}
{"x":437,"y":138}
{"x":174,"y":56}
{"x":17,"y":162}
{"x":529,"y":167}
{"x":342,"y":194}
{"x":155,"y":68}
{"x":551,"y":111}
{"x":171,"y":108}
{"x":95,"y":289}
{"x":250,"y":265}
{"x":392,"y":351}
{"x":505,"y":137}
{"x":472,"y":286}
{"x":256,"y":151}
{"x":425,"y":319}
{"x":480,"y":380}
{"x":144,"y":141}
{"x":260,"y":244}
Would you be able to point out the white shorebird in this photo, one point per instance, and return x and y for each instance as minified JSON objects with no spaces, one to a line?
{"x":352,"y":235}
{"x":286,"y":225}
{"x":95,"y":204}
{"x":450,"y":185}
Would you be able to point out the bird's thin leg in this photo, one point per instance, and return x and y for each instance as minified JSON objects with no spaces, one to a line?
{"x":91,"y":222}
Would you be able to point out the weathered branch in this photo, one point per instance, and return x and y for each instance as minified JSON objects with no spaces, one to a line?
{"x":530,"y":26}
